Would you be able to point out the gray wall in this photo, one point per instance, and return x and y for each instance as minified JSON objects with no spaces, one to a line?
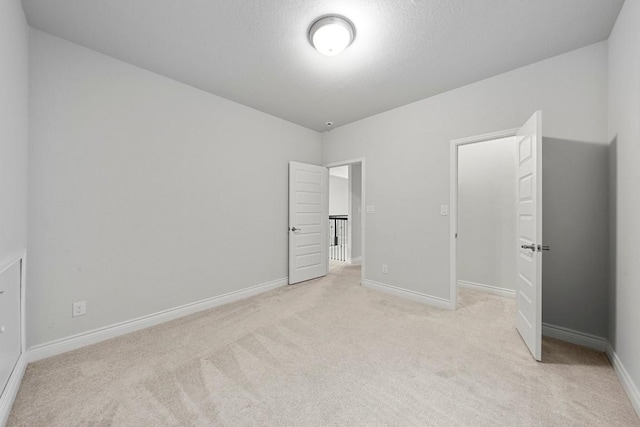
{"x":624,"y":137}
{"x":355,"y":174}
{"x":575,"y":225}
{"x":487,"y":239}
{"x":146,"y":194}
{"x":14,"y":130}
{"x":407,"y":155}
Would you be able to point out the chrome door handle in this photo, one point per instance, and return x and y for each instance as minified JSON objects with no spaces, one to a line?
{"x":543,"y":248}
{"x":294,"y":229}
{"x":532,"y":247}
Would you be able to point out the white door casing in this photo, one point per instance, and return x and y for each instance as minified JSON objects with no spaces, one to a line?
{"x":529,"y":229}
{"x":308,"y":221}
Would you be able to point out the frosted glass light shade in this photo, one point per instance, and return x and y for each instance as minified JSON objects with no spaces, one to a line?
{"x":331,"y":35}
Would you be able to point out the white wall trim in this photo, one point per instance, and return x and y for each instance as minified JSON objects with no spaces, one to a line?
{"x":73,"y":342}
{"x":408,"y":294}
{"x":8,"y":261}
{"x":505,"y":133}
{"x":627,"y":383}
{"x":344,"y":162}
{"x":488,"y":289}
{"x":355,"y":260}
{"x":574,"y":337}
{"x":349,"y":212}
{"x":11,"y":389}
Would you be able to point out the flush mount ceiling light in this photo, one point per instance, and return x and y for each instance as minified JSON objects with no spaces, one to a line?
{"x":332,"y":34}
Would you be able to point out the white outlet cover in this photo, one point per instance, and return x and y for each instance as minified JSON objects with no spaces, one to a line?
{"x":370,"y":209}
{"x":444,"y":210}
{"x":79,"y":308}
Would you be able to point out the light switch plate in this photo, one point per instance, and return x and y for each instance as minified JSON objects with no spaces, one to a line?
{"x":444,"y":210}
{"x":370,"y":209}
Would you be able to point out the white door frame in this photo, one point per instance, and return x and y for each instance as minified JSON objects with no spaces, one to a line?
{"x":453,"y":202}
{"x":360,"y":160}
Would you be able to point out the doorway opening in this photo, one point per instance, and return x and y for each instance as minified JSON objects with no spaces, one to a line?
{"x":339,"y":219}
{"x":487,"y":217}
{"x":474,"y":156}
{"x":346,"y":220}
{"x":527,"y":247}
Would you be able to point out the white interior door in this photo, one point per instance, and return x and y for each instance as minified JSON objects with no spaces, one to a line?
{"x":529,"y":266}
{"x":308,"y":221}
{"x":10,"y":334}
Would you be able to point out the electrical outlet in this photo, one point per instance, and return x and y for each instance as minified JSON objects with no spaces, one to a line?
{"x":79,"y":309}
{"x":385,"y":268}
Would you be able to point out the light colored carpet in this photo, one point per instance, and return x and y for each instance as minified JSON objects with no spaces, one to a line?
{"x":326,"y":352}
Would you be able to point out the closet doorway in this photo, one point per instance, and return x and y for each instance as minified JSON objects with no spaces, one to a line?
{"x":483,"y":215}
{"x":487,"y":235}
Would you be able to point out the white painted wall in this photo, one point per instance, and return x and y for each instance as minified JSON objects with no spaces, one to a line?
{"x":338,"y":195}
{"x":14,"y":90}
{"x":356,"y":216}
{"x":407,"y":154}
{"x":624,"y":137}
{"x":14,"y":131}
{"x":487,"y":213}
{"x":146,"y":194}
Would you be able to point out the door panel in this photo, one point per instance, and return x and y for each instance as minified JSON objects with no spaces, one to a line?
{"x":529,"y":266}
{"x":308,"y":218}
{"x":10,"y":333}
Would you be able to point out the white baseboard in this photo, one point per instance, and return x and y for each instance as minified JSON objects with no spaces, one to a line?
{"x":11,"y":389}
{"x":406,"y":293}
{"x":73,"y":342}
{"x":355,"y":260}
{"x":627,"y":382}
{"x":574,"y":337}
{"x":481,"y":287}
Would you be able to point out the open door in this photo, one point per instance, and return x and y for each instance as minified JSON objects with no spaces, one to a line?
{"x":308,"y":221}
{"x":529,"y":266}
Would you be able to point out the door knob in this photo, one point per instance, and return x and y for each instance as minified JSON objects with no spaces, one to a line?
{"x":532,"y":247}
{"x":294,"y":229}
{"x":543,"y":248}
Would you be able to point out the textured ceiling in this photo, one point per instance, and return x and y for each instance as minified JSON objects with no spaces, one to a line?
{"x":256,"y":52}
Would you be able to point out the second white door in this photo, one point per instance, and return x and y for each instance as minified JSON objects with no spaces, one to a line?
{"x":308,"y":221}
{"x":529,"y":245}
